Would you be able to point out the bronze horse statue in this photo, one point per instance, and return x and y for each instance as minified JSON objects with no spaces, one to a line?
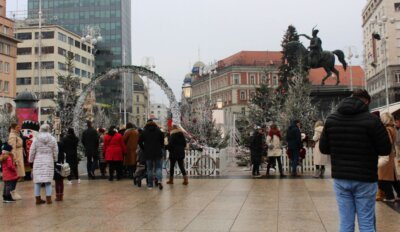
{"x":296,"y":51}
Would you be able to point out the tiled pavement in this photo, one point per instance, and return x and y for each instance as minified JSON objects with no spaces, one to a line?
{"x":223,"y":204}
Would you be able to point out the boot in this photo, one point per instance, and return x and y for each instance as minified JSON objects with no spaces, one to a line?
{"x":15,"y":195}
{"x":48,"y":200}
{"x":171,"y":180}
{"x":39,"y":201}
{"x":267,"y":173}
{"x":59,"y":197}
{"x":185,"y":180}
{"x":379,"y":195}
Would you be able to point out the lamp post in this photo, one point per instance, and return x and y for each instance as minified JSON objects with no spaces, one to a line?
{"x":187,"y":94}
{"x":382,"y":25}
{"x":349,"y":57}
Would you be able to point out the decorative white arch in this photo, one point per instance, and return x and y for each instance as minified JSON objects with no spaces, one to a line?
{"x":112,"y":73}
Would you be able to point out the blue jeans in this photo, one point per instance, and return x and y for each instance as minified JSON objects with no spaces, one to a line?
{"x":295,"y":159}
{"x":48,"y":189}
{"x":356,"y":197}
{"x":151,"y":165}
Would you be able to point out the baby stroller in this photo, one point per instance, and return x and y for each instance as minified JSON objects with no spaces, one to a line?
{"x":141,"y":170}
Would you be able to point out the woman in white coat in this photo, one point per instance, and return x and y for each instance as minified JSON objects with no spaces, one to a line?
{"x":43,"y":153}
{"x":274,"y":148}
{"x":320,"y":160}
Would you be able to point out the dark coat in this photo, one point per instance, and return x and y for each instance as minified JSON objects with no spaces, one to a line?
{"x":70,"y":147}
{"x":256,"y":147}
{"x":60,"y":160}
{"x":293,"y":137}
{"x":176,"y":145}
{"x":90,"y":140}
{"x":354,"y":138}
{"x":151,"y":141}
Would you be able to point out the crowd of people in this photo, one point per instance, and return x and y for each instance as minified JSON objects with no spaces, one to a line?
{"x":130,"y":152}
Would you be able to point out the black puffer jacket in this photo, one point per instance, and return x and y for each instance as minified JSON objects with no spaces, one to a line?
{"x":151,"y":141}
{"x":176,"y":145}
{"x":354,"y":138}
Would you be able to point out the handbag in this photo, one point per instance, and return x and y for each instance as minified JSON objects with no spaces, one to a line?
{"x":65,"y":170}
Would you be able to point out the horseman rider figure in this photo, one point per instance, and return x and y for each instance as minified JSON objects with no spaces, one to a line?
{"x":315,"y":48}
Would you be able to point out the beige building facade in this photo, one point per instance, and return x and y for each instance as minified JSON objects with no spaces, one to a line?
{"x":57,"y":43}
{"x":8,"y":57}
{"x":381,"y":30}
{"x":140,"y":102}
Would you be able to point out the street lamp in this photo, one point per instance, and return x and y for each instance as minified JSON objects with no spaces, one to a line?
{"x":219,"y":103}
{"x":349,"y":57}
{"x":187,"y":90}
{"x":382,"y":25}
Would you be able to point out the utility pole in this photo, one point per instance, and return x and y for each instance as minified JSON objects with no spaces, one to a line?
{"x":40,"y":60}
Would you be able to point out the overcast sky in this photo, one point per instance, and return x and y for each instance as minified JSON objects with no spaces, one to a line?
{"x":176,"y":33}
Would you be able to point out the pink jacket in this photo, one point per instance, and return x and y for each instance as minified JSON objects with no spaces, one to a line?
{"x":9,"y":170}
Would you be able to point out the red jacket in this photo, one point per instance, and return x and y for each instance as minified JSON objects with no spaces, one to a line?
{"x":9,"y":170}
{"x":114,"y":147}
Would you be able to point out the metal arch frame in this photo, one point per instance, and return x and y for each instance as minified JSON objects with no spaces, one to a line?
{"x":176,"y":115}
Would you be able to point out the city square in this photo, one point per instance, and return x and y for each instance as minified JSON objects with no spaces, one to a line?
{"x":131,"y":115}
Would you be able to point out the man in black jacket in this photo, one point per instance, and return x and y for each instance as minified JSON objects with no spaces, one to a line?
{"x":90,"y":140}
{"x":355,"y":138}
{"x":293,"y":138}
{"x":151,"y":141}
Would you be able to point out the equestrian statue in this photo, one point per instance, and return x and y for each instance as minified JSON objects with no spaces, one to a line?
{"x":316,"y":57}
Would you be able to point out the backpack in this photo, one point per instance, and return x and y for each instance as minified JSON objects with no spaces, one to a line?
{"x":65,"y":170}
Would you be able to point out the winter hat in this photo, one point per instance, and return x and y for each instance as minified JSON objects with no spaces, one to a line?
{"x":6,"y":147}
{"x":44,"y":128}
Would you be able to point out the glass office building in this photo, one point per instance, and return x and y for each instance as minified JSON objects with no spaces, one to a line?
{"x":113,"y":17}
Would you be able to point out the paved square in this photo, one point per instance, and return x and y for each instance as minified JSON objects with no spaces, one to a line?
{"x":223,"y":204}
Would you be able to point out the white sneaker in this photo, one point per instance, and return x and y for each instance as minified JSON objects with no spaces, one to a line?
{"x":69,"y":182}
{"x":79,"y":181}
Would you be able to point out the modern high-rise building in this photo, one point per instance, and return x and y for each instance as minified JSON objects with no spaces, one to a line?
{"x":113,"y":17}
{"x":381,"y":24}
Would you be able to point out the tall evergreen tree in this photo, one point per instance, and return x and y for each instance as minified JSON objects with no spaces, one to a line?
{"x":285,"y":70}
{"x":69,"y":84}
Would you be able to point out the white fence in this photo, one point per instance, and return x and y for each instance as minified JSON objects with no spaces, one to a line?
{"x":306,"y":165}
{"x":209,"y":162}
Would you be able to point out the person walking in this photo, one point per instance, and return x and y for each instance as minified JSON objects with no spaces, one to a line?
{"x":355,"y":138}
{"x":274,"y":149}
{"x":16,"y":142}
{"x":10,"y":175}
{"x":42,"y":154}
{"x":320,"y":160}
{"x":70,"y":147}
{"x":293,"y":138}
{"x":102,"y":160}
{"x":387,"y":173}
{"x":256,"y":150}
{"x":90,"y":141}
{"x":176,"y":147}
{"x":114,"y":149}
{"x":131,"y":139}
{"x":151,"y":141}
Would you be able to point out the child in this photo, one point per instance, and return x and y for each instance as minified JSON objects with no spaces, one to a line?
{"x":10,"y":175}
{"x":141,"y":171}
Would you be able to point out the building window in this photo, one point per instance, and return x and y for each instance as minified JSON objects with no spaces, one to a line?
{"x":137,"y":98}
{"x":398,"y":43}
{"x":275,"y":80}
{"x":45,"y":35}
{"x":45,"y":65}
{"x":77,"y":44}
{"x":62,"y":66}
{"x":84,"y":60}
{"x":45,"y":50}
{"x":236,"y":79}
{"x":49,"y":80}
{"x":5,"y":89}
{"x":263,"y":79}
{"x":84,"y":73}
{"x":77,"y":58}
{"x":24,"y":81}
{"x":62,"y":37}
{"x":62,"y":52}
{"x":6,"y":67}
{"x":1,"y":66}
{"x":70,"y":41}
{"x":24,"y":36}
{"x":397,"y":77}
{"x":5,"y":30}
{"x":24,"y":66}
{"x":137,"y":110}
{"x":77,"y":71}
{"x":6,"y":49}
{"x":252,"y":79}
{"x":397,"y":7}
{"x":242,"y":95}
{"x":46,"y":95}
{"x":24,"y":51}
{"x":243,"y":110}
